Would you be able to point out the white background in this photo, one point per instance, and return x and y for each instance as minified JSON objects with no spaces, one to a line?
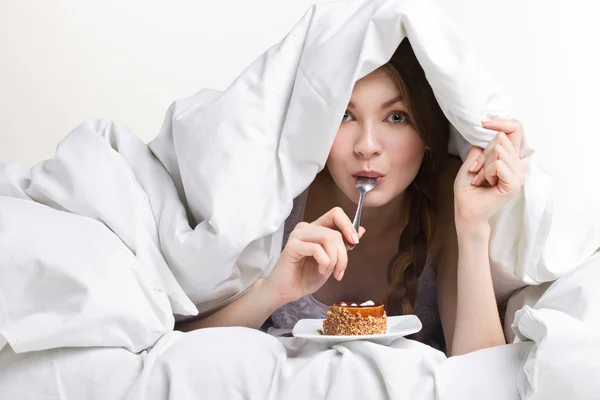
{"x":66,"y":61}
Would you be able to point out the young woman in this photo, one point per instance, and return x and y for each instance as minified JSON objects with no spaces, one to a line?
{"x":423,"y":244}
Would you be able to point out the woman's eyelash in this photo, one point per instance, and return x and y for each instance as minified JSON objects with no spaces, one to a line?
{"x":403,"y":113}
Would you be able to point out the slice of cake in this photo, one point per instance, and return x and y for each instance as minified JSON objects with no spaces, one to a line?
{"x":344,"y":319}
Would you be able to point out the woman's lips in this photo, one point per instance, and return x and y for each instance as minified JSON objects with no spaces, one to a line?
{"x":377,"y":177}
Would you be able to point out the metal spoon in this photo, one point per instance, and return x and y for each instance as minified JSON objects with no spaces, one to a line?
{"x":363,"y":185}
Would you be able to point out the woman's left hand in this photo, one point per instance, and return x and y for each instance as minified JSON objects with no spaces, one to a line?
{"x":490,"y":176}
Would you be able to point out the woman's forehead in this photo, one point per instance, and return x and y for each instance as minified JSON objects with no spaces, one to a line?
{"x":379,"y":85}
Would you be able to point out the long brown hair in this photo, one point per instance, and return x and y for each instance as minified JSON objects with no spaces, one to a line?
{"x":406,"y":266}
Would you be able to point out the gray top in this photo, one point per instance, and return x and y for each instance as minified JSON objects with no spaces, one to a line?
{"x":284,"y":319}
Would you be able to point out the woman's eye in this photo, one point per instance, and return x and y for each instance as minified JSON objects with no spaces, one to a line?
{"x":347,"y":117}
{"x":397,"y":117}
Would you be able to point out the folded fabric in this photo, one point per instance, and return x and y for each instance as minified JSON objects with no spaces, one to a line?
{"x":80,"y":258}
{"x":564,"y":325}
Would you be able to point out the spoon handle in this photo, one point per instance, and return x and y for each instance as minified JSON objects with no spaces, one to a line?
{"x":356,"y":222}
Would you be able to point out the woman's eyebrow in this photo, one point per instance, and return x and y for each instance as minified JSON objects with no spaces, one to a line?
{"x":392,"y":101}
{"x":384,"y":105}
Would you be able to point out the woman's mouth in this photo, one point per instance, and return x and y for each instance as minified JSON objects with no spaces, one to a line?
{"x":369,"y":174}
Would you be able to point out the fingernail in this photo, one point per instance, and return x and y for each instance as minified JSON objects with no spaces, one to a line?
{"x":473,"y":166}
{"x":474,"y":180}
{"x":341,"y":275}
{"x":355,"y":238}
{"x":486,"y":120}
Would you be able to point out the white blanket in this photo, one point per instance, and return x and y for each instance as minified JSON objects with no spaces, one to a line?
{"x":101,"y":245}
{"x":559,"y":360}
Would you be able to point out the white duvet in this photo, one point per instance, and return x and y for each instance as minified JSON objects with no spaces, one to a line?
{"x":559,"y":358}
{"x":103,"y":244}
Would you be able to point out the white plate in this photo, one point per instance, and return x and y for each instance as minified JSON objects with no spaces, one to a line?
{"x":397,"y":327}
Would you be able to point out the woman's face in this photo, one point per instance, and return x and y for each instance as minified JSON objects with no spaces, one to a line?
{"x":376,"y":138}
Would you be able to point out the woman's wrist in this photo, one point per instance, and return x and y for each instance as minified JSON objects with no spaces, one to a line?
{"x":266,"y":295}
{"x":472,"y":230}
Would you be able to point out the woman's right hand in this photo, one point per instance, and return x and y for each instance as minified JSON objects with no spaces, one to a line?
{"x":312,"y":254}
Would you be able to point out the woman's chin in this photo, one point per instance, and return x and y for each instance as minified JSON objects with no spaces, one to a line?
{"x":374,"y":199}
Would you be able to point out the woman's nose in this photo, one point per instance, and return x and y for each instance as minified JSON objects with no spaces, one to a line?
{"x":367,"y":144}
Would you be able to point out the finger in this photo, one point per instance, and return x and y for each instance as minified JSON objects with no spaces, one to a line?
{"x":315,"y":250}
{"x":503,"y":154}
{"x":340,"y":274}
{"x":472,"y":156}
{"x":512,"y":128}
{"x":473,"y":153}
{"x":509,"y":182}
{"x":361,"y":231}
{"x":499,"y":139}
{"x":334,"y":247}
{"x":486,"y":173}
{"x":479,"y":162}
{"x":313,"y":233}
{"x":331,"y":240}
{"x":499,"y":152}
{"x":484,"y":176}
{"x":489,"y":173}
{"x":342,"y":259}
{"x":337,"y":218}
{"x":507,"y":144}
{"x":506,"y":179}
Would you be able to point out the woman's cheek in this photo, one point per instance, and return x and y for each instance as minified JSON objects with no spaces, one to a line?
{"x":333,"y":161}
{"x":409,"y":147}
{"x":340,"y":152}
